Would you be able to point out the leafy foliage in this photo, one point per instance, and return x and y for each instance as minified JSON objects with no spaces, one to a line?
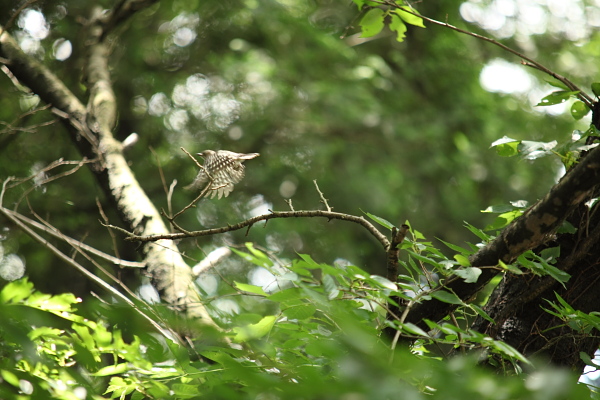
{"x":322,"y":342}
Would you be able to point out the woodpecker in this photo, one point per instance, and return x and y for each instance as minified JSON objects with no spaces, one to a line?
{"x":224,"y":168}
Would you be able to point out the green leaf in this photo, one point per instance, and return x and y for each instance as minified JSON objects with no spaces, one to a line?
{"x":372,"y":22}
{"x":300,"y":312}
{"x":532,"y":150}
{"x":462,"y":260}
{"x":481,"y":313}
{"x":566,"y":227}
{"x":255,"y":331}
{"x":410,"y":18}
{"x":506,"y":147}
{"x":557,"y":84}
{"x":551,"y":253}
{"x":16,"y":291}
{"x":456,"y":248}
{"x":502,"y":208}
{"x":250,"y":288}
{"x":384,"y":282}
{"x":112,"y":370}
{"x":504,"y":219}
{"x":477,"y":232}
{"x":383,"y":222}
{"x":413,"y":329}
{"x":287,"y":295}
{"x":470,"y":275}
{"x":446,"y":297}
{"x":557,"y":97}
{"x":330,"y":286}
{"x":10,"y":377}
{"x":596,"y":88}
{"x":579,"y":110}
{"x":585,"y":357}
{"x":396,"y":25}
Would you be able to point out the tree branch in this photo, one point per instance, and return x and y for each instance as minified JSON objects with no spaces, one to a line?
{"x":170,"y":274}
{"x":274,"y":214}
{"x":527,"y":232}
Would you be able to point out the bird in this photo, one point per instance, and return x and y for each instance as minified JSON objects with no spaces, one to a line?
{"x":224,"y":168}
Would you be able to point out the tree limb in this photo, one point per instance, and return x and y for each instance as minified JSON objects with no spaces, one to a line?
{"x":274,"y":214}
{"x":532,"y":229}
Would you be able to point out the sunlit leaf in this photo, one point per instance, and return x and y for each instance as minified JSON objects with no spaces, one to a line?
{"x":112,"y":370}
{"x":398,"y":26}
{"x":372,"y":22}
{"x":579,"y":110}
{"x":470,"y":275}
{"x":254,"y":331}
{"x":506,"y":147}
{"x":557,"y":97}
{"x":250,"y":288}
{"x":410,"y":18}
{"x":532,"y":150}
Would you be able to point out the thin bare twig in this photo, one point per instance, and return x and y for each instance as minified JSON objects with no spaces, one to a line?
{"x":323,"y":199}
{"x":74,"y":242}
{"x":289,"y":203}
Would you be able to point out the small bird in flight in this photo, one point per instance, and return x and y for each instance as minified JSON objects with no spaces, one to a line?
{"x":224,"y":167}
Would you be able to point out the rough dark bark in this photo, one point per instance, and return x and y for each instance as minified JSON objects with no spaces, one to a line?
{"x":533,"y":229}
{"x":516,"y":304}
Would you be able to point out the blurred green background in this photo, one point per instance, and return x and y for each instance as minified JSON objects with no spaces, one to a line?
{"x":399,"y":130}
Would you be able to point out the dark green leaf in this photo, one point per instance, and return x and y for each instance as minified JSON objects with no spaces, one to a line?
{"x":446,"y":297}
{"x":596,"y":88}
{"x":381,"y":221}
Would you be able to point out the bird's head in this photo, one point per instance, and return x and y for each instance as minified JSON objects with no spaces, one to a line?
{"x":205,"y":153}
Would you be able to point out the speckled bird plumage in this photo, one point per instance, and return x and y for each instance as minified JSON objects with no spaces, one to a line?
{"x":224,"y":167}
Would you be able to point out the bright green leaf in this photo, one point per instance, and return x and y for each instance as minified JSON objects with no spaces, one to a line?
{"x":462,"y":260}
{"x":112,"y":370}
{"x":398,"y":26}
{"x":372,"y":22}
{"x":410,"y":18}
{"x":10,"y":377}
{"x":250,"y":288}
{"x":255,"y":331}
{"x":509,"y":149}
